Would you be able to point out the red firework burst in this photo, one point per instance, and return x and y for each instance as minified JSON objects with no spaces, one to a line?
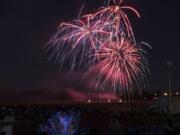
{"x":121,"y":65}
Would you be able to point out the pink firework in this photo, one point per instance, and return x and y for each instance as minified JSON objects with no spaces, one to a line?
{"x":117,"y":18}
{"x":85,"y":31}
{"x":121,"y":65}
{"x":78,"y":40}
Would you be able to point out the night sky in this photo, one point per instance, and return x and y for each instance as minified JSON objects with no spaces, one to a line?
{"x":26,"y":25}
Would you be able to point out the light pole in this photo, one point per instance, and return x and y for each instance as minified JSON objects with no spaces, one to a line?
{"x":169,"y":65}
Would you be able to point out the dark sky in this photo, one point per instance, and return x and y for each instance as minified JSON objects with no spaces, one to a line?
{"x":26,"y":25}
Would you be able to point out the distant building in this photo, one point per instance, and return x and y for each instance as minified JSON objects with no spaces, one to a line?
{"x":162,"y":103}
{"x":175,"y":105}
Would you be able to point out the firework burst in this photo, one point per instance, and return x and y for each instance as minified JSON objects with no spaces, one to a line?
{"x":121,"y":66}
{"x":117,"y":18}
{"x":77,"y":40}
